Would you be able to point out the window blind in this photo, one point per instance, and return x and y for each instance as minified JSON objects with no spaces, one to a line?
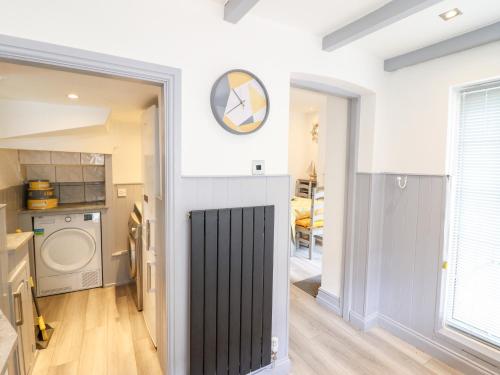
{"x":473,"y":289}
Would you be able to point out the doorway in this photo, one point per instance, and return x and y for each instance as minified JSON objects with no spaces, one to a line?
{"x":324,"y":122}
{"x":23,"y":52}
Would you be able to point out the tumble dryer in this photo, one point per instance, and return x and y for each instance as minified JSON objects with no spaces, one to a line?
{"x":67,"y":252}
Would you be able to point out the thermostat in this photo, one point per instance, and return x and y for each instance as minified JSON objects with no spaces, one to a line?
{"x":258,"y":167}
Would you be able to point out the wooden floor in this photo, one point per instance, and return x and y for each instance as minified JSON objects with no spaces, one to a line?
{"x":321,"y":343}
{"x":100,"y":331}
{"x":302,"y":268}
{"x":97,"y":331}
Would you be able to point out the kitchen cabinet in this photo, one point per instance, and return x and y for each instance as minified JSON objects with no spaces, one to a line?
{"x":22,"y":317}
{"x":20,"y":305}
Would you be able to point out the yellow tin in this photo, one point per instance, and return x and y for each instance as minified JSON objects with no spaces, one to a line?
{"x":42,"y":204}
{"x":39,"y":184}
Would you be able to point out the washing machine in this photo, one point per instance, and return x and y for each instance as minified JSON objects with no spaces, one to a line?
{"x":67,"y":252}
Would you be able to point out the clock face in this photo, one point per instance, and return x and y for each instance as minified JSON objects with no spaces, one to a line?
{"x":239,"y":102}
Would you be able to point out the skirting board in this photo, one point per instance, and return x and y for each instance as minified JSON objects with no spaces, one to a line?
{"x":363,"y":323}
{"x":281,"y":367}
{"x":119,"y":283}
{"x":441,"y":352}
{"x":328,"y":300}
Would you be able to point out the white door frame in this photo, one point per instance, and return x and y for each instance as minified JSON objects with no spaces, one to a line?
{"x":25,"y":51}
{"x":344,"y":303}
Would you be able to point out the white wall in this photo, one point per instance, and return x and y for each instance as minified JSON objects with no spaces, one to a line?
{"x":302,"y":149}
{"x":10,"y":169}
{"x":413,"y":132}
{"x":194,"y":37}
{"x":335,"y":153}
{"x":38,"y":117}
{"x":122,"y":141}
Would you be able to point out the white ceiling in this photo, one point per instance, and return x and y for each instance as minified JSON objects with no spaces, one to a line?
{"x":126,"y":99}
{"x":419,"y":30}
{"x":315,"y":16}
{"x":426,"y":27}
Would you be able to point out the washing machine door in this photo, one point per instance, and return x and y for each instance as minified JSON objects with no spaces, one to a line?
{"x":132,"y":254}
{"x":68,"y":250}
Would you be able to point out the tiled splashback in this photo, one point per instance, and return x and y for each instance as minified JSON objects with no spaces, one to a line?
{"x":77,"y":177}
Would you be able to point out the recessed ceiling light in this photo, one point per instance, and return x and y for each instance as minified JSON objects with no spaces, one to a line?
{"x":73,"y":96}
{"x":452,"y":13}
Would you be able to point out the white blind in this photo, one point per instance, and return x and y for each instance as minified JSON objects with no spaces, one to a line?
{"x":473,"y":299}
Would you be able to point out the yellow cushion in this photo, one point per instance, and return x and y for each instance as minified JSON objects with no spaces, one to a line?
{"x":301,"y":207}
{"x":306,"y":223}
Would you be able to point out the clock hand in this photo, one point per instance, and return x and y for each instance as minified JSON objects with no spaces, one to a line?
{"x":235,"y":93}
{"x":232,"y":109}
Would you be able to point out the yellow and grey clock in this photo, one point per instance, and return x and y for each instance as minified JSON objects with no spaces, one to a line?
{"x":239,"y":102}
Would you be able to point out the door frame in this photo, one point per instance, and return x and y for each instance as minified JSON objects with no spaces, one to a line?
{"x":343,"y":306}
{"x":25,"y":51}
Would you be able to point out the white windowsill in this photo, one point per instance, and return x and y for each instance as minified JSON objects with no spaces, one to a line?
{"x":470,"y":345}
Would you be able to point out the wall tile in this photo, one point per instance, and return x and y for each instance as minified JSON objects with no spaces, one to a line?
{"x":92,"y":159}
{"x":65,"y":158}
{"x":34,"y":157}
{"x":95,"y":192}
{"x":93,"y":173}
{"x":68,"y":173}
{"x":41,"y":172}
{"x":71,"y":193}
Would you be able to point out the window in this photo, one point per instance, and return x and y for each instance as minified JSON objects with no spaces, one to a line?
{"x":473,"y":285}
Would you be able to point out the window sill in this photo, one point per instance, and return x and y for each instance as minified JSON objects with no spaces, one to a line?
{"x":476,"y":348}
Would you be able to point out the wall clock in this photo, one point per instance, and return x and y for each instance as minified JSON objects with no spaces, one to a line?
{"x":239,"y":102}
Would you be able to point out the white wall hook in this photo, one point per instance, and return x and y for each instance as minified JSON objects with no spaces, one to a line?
{"x":402,"y":182}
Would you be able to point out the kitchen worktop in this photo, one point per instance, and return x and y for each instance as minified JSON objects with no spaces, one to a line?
{"x":8,"y":338}
{"x":16,"y":240}
{"x":67,"y":207}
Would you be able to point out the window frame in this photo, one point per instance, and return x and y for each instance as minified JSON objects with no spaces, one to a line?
{"x":487,"y":352}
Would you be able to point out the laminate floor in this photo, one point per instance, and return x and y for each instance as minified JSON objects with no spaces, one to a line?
{"x":321,"y":343}
{"x":97,"y":331}
{"x":302,"y":268}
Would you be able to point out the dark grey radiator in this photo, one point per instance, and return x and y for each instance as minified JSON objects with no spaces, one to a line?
{"x":231,"y":290}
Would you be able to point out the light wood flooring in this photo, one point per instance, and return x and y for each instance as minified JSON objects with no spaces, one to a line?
{"x":100,"y":331}
{"x":321,"y":343}
{"x":302,"y":268}
{"x":97,"y":331}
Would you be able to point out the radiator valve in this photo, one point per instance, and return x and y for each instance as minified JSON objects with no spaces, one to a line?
{"x":274,"y":349}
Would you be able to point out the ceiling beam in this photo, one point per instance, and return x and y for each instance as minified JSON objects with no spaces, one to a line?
{"x":476,"y":38}
{"x":388,"y":14}
{"x":234,"y":10}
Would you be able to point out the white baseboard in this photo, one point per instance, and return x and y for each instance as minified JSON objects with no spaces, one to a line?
{"x":363,"y":323}
{"x":119,"y":283}
{"x":329,"y":300}
{"x":434,"y":348}
{"x":281,"y":367}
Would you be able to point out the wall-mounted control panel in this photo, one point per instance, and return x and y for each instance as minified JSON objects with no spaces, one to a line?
{"x":258,"y":167}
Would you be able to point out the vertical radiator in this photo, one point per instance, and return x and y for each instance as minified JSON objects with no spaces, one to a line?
{"x":231,"y":290}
